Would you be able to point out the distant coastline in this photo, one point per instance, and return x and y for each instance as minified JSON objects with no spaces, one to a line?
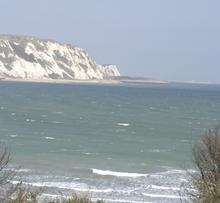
{"x":139,"y":80}
{"x":114,"y":81}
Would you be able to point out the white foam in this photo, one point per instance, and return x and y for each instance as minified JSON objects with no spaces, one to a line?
{"x":164,"y":196}
{"x":13,"y":136}
{"x":49,"y":138}
{"x":88,"y":153}
{"x":67,"y":185}
{"x":117,"y":174}
{"x":15,"y":182}
{"x":21,"y":170}
{"x":58,"y":112}
{"x":123,"y":124}
{"x":93,"y":190}
{"x":177,"y":171}
{"x":157,"y":187}
{"x":94,"y":199}
{"x":120,"y":200}
{"x":158,"y":150}
{"x":30,"y":120}
{"x":57,"y":122}
{"x":172,"y":171}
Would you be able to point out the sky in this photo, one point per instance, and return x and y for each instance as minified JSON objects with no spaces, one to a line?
{"x":176,"y":40}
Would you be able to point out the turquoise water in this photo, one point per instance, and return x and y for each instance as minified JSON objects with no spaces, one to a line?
{"x":127,"y":142}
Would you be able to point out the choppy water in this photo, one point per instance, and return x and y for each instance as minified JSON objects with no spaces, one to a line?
{"x":119,"y":143}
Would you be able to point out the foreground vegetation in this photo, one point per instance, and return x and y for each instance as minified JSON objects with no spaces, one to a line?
{"x":23,"y":196}
{"x":33,"y":197}
{"x":206,"y":182}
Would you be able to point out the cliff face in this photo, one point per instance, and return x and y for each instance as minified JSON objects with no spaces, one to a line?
{"x":33,"y":58}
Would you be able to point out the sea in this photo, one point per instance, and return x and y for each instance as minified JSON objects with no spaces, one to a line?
{"x":120,"y":143}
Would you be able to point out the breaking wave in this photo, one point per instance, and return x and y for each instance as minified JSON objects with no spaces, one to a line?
{"x":117,"y":174}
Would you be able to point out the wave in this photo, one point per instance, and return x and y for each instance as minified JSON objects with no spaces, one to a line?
{"x":58,"y":112}
{"x":157,"y":187}
{"x":164,"y":196}
{"x":30,"y":120}
{"x":23,"y":170}
{"x":52,"y":196}
{"x":123,"y":124}
{"x":136,"y":175}
{"x":117,"y":174}
{"x":119,"y":200}
{"x":176,"y":171}
{"x":57,"y":122}
{"x":13,"y":136}
{"x":80,"y":187}
{"x":84,"y":188}
{"x":49,"y":138}
{"x":158,"y":150}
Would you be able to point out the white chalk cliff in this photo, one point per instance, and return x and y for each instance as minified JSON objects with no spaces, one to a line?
{"x":32,"y":58}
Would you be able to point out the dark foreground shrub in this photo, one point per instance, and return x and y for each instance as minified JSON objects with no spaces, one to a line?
{"x":206,"y":182}
{"x":6,"y":175}
{"x":73,"y":199}
{"x":22,"y":196}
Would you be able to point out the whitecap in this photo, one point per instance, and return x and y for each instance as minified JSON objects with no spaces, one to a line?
{"x":57,"y":122}
{"x":30,"y":120}
{"x":13,"y":136}
{"x":58,"y":112}
{"x":158,"y":150}
{"x":123,"y":124}
{"x":49,"y":138}
{"x":87,"y":153}
{"x":117,"y":174}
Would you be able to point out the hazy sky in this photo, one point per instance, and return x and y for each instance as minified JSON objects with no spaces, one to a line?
{"x":168,"y":39}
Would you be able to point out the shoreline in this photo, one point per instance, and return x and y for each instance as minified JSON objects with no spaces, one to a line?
{"x":159,"y":82}
{"x":99,"y":82}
